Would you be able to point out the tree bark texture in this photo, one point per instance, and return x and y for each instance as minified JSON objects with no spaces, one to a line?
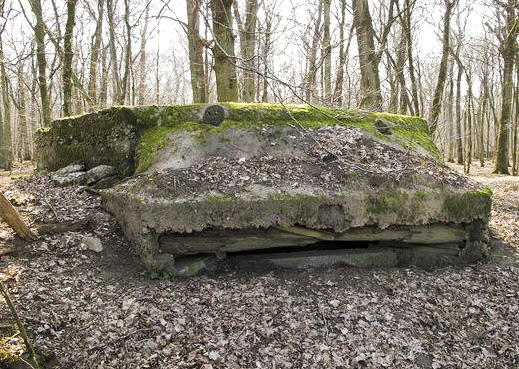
{"x":442,"y":73}
{"x":9,"y":214}
{"x":223,"y":51}
{"x":409,"y":4}
{"x":94,"y":56}
{"x":311,"y":76}
{"x":142,"y":59}
{"x":247,"y":32}
{"x":371,"y":96}
{"x":39,"y":35}
{"x":6,"y":157}
{"x":327,"y":51}
{"x":116,"y":87}
{"x":196,"y":52}
{"x":339,"y":81}
{"x":68,"y":55}
{"x":508,"y":49}
{"x":459,"y":120}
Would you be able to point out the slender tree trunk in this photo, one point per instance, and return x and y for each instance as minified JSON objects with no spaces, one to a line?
{"x":339,"y":82}
{"x":39,"y":35}
{"x":143,"y":57}
{"x":125,"y":82}
{"x":247,"y":33}
{"x":409,"y":4}
{"x":400,"y":63}
{"x":22,"y":131}
{"x":6,"y":157}
{"x":265,"y":55}
{"x":327,"y":51}
{"x":105,"y":67}
{"x":470,"y":114}
{"x":223,"y":51}
{"x":116,"y":81}
{"x":508,"y":53}
{"x":311,"y":75}
{"x":68,"y":55}
{"x":514,"y":139}
{"x":442,"y":74}
{"x":459,"y":135}
{"x":450,"y":117}
{"x":371,"y":96}
{"x":95,"y":50}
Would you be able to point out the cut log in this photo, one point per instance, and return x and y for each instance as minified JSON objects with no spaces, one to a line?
{"x":9,"y":214}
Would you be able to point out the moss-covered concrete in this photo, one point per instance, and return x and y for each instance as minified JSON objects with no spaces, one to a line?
{"x":113,"y":136}
{"x":326,"y":170}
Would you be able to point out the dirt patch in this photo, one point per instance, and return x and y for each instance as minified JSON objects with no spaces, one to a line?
{"x":102,"y":310}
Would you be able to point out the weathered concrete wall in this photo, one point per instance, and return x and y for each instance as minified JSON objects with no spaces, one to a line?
{"x":108,"y":137}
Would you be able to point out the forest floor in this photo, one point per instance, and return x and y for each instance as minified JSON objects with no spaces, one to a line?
{"x":102,"y":310}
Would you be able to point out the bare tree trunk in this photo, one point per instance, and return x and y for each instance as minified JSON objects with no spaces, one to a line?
{"x":459,"y":141}
{"x":22,"y":131}
{"x":311,"y":75}
{"x":248,"y":47}
{"x":339,"y":82}
{"x":6,"y":157}
{"x":327,"y":51}
{"x":442,"y":74}
{"x":68,"y":54}
{"x":143,"y":57}
{"x":95,"y":50}
{"x":223,"y":51}
{"x":371,"y":96}
{"x":514,"y":139}
{"x":409,"y":4}
{"x":116,"y":82}
{"x":105,"y":67}
{"x":196,"y":52}
{"x":125,"y":82}
{"x":470,"y":113}
{"x":508,"y":52}
{"x":450,"y":117}
{"x":39,"y":35}
{"x":265,"y":56}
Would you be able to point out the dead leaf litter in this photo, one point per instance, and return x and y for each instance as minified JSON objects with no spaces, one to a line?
{"x":102,"y":310}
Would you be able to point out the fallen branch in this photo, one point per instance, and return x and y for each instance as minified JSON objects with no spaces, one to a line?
{"x":21,"y":328}
{"x":9,"y":214}
{"x":62,"y":227}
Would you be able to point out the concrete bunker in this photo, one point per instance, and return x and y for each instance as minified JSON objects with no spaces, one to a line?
{"x":208,"y":182}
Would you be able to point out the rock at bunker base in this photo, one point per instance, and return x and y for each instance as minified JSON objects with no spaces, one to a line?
{"x":93,"y":243}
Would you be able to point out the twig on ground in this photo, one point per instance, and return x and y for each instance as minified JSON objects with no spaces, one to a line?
{"x":21,"y":328}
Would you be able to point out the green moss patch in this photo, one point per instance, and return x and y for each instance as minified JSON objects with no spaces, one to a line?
{"x":465,"y":205}
{"x":151,"y":141}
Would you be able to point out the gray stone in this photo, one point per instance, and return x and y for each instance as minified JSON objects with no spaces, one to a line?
{"x":192,"y":265}
{"x":70,"y":169}
{"x":106,"y":182}
{"x":69,"y":179}
{"x":100,"y":172}
{"x":93,"y":243}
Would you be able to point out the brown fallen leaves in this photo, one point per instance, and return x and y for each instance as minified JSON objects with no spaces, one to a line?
{"x":103,"y":311}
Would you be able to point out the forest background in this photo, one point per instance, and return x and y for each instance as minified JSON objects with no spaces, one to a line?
{"x":454,"y":62}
